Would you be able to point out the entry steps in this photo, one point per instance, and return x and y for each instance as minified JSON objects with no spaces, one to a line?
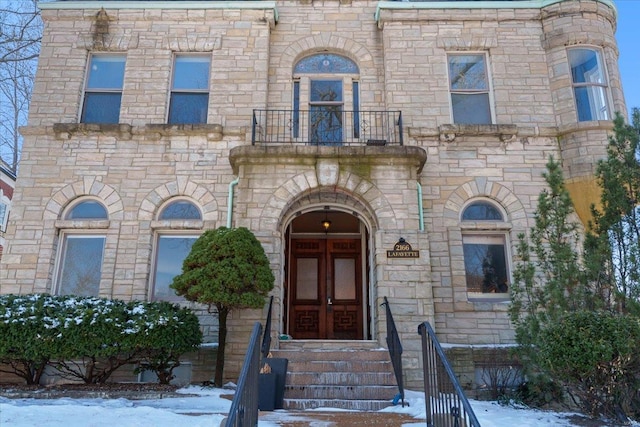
{"x":354,"y":375}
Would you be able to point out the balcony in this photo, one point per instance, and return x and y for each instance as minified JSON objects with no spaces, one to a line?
{"x":326,"y":125}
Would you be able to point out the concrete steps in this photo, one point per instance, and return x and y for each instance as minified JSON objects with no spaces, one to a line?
{"x":355,"y":375}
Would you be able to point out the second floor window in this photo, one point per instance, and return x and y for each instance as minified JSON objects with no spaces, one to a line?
{"x":103,"y":90}
{"x":326,"y":100}
{"x":469,"y":88}
{"x":189,"y":90}
{"x":589,"y":84}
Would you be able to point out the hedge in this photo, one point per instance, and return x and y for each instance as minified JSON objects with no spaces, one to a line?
{"x":88,"y":338}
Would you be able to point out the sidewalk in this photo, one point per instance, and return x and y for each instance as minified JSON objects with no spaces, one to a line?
{"x":337,"y":419}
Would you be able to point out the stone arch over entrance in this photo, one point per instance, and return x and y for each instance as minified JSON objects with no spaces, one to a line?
{"x":342,"y":259}
{"x":349,"y":191}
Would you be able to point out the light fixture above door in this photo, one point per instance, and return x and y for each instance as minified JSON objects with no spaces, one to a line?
{"x":326,"y":223}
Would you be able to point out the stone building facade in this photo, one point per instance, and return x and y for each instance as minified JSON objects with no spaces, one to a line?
{"x":375,"y":148}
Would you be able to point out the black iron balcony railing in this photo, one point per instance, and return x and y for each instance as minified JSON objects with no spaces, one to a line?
{"x":326,"y":125}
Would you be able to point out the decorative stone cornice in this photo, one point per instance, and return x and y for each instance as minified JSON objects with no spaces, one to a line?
{"x":65,"y":131}
{"x":213,"y":132}
{"x":506,"y":133}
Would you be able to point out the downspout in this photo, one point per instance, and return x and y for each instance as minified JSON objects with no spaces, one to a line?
{"x":232,"y":184}
{"x":420,"y":213}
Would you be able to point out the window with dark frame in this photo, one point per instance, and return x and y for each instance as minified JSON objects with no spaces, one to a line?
{"x":325,"y":92}
{"x":485,"y":254}
{"x":189,"y":103}
{"x":81,"y":256}
{"x":172,"y":247}
{"x":103,"y":89}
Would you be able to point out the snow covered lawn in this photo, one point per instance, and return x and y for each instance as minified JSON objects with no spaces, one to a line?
{"x":208,"y":409}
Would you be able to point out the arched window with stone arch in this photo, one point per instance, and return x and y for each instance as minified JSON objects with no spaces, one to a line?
{"x":326,"y":99}
{"x":485,"y":241}
{"x":79,"y":260}
{"x":178,"y":225}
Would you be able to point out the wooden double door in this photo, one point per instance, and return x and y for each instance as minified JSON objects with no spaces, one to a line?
{"x":326,"y":289}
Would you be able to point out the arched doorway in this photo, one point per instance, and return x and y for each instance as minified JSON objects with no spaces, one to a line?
{"x":326,"y":286}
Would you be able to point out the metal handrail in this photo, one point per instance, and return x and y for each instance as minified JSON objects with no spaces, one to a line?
{"x":266,"y":338}
{"x":244,"y":408}
{"x":395,"y":350}
{"x":329,"y":126}
{"x":445,"y":401}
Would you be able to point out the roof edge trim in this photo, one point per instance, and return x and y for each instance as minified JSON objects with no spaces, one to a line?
{"x":489,"y":4}
{"x":136,"y":4}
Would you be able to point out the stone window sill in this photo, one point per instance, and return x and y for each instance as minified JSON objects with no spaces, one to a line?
{"x":487,"y":297}
{"x":185,"y":224}
{"x":81,"y":224}
{"x":122,"y":131}
{"x":485,"y":225}
{"x":506,"y":133}
{"x":68,"y":130}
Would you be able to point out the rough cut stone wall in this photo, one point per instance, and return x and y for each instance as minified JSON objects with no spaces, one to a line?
{"x":136,"y":166}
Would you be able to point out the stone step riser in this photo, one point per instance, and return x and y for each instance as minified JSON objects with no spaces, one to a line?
{"x":354,"y":405}
{"x":385,"y":393}
{"x":355,"y":379}
{"x":338,"y":356}
{"x":328,"y":345}
{"x":340,"y":378}
{"x":322,"y":366}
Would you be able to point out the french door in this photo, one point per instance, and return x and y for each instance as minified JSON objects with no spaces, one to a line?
{"x":326,"y":289}
{"x":326,"y":107}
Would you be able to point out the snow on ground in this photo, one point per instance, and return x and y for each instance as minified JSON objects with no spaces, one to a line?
{"x":208,"y":409}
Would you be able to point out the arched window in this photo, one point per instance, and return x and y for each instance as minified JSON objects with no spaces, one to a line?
{"x":80,"y":257}
{"x":180,"y":209}
{"x":326,"y":99}
{"x":481,"y":211}
{"x":87,"y":210}
{"x":485,"y":249}
{"x":173,"y":243}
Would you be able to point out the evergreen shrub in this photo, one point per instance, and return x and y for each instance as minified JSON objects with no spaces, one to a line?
{"x":595,"y":355}
{"x":87,"y":338}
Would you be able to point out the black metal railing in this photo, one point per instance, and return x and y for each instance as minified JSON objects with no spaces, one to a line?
{"x":266,"y":338}
{"x":445,"y":401}
{"x":395,"y":350}
{"x":244,"y":408}
{"x":327,"y":125}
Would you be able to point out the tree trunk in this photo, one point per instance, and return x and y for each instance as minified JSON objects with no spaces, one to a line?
{"x":222,"y":340}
